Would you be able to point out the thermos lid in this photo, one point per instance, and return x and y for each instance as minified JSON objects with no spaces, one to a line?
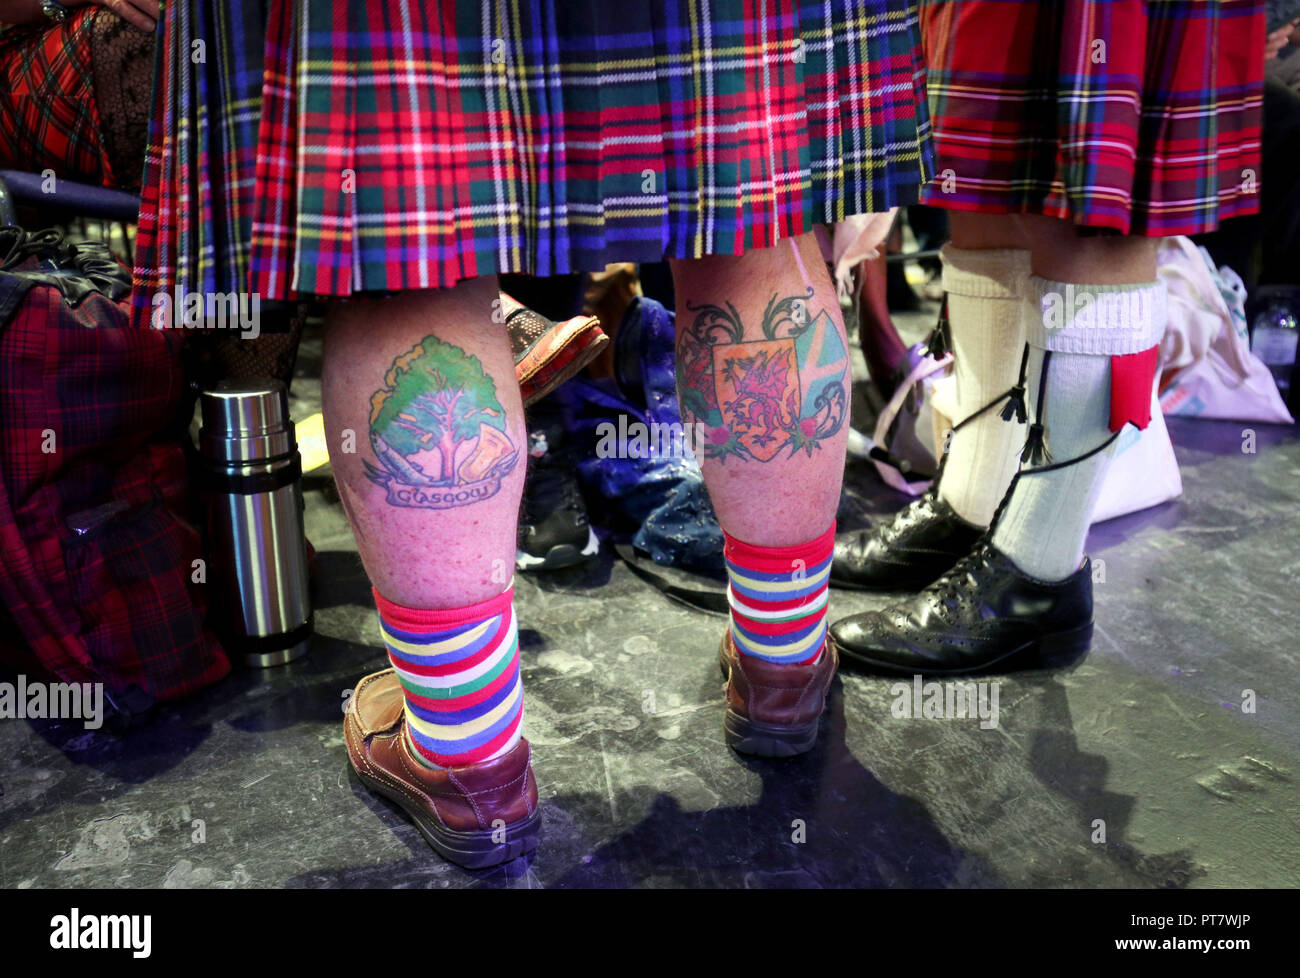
{"x":245,"y":421}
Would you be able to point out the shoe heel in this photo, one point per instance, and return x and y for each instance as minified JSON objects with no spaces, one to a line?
{"x":469,"y":850}
{"x":747,"y":737}
{"x":1067,"y":645}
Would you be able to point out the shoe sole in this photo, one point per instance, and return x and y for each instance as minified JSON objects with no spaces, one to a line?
{"x":470,"y":850}
{"x":573,"y":353}
{"x":1072,"y":642}
{"x":560,"y":556}
{"x":748,"y":736}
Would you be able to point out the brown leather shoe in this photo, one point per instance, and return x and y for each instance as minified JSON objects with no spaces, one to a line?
{"x":773,"y":710}
{"x":475,"y":816}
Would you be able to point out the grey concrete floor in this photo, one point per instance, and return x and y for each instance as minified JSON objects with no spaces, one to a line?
{"x":1145,"y":738}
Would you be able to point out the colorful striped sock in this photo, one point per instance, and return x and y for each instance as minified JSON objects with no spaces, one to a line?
{"x":778,"y":598}
{"x":459,"y":669}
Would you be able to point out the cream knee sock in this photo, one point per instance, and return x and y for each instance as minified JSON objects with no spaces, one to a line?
{"x":986,"y":292}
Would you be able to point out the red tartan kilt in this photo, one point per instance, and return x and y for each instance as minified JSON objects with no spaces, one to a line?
{"x":1136,"y":116}
{"x":48,"y":114}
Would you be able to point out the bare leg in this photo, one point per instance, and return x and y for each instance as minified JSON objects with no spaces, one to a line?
{"x":426,"y":434}
{"x":1061,"y":254}
{"x":421,"y":556}
{"x":773,"y":457}
{"x":762,"y":367}
{"x":982,"y":231}
{"x":1059,"y":251}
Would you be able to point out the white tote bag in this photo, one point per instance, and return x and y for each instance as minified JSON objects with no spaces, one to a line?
{"x":1214,"y":374}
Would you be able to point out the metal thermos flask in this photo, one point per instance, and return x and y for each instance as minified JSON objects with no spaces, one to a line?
{"x":257,"y":552}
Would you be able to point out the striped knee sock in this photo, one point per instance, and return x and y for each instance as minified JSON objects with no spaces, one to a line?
{"x":778,"y":598}
{"x":459,"y":670}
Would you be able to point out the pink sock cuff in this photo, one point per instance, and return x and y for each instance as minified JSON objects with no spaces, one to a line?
{"x":440,"y":619}
{"x":775,"y":560}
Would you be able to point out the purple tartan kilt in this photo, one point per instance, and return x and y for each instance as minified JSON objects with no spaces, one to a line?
{"x":432,"y":142}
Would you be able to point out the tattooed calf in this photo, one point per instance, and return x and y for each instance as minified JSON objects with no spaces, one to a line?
{"x":758,"y":395}
{"x":438,"y":430}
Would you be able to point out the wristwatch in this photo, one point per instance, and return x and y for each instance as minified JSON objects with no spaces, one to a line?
{"x":54,"y":11}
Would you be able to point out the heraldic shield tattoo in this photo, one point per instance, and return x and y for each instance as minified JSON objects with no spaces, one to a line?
{"x":438,"y":430}
{"x":758,"y":395}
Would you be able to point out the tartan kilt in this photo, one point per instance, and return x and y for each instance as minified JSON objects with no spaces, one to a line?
{"x":196,"y":198}
{"x":48,"y":114}
{"x":416,"y":143}
{"x":1134,"y":116}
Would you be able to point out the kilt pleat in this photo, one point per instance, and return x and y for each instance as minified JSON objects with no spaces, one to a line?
{"x":1134,"y":116}
{"x":196,"y":198}
{"x":416,"y":143}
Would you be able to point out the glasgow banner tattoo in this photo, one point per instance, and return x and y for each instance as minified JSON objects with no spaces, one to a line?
{"x":438,"y":430}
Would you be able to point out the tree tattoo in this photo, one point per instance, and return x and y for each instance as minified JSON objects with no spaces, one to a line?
{"x":757,"y":397}
{"x":438,"y":430}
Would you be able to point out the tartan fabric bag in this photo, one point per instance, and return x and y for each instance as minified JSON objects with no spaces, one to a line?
{"x":95,"y":550}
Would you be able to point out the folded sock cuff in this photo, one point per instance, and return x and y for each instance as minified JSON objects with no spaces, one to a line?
{"x":1095,"y":320}
{"x":985,"y":273}
{"x":776,"y":560}
{"x":440,"y":619}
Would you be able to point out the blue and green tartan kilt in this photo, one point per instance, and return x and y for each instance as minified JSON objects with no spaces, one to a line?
{"x":416,"y":143}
